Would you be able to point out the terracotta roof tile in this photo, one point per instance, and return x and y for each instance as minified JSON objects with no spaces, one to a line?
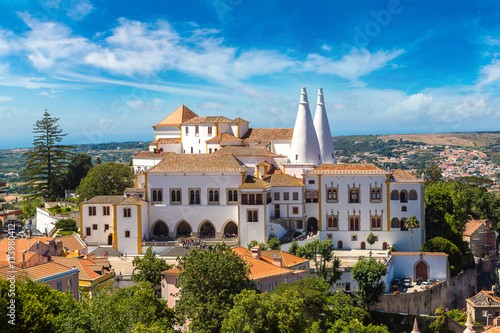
{"x":268,"y":134}
{"x":209,"y":120}
{"x":39,"y":271}
{"x":240,"y":120}
{"x":288,"y":259}
{"x":132,"y":200}
{"x":134,"y":190}
{"x":484,"y":298}
{"x":86,"y":273}
{"x":199,"y":163}
{"x":401,"y":175}
{"x":105,"y":199}
{"x":223,"y":137}
{"x":151,"y":155}
{"x":260,"y":268}
{"x":347,"y":168}
{"x":264,"y":163}
{"x":166,"y":141}
{"x":246,"y":152}
{"x":472,"y":226}
{"x":283,"y":180}
{"x":71,"y":242}
{"x":438,"y":254}
{"x":176,"y":118}
{"x":254,"y":183}
{"x":174,"y":270}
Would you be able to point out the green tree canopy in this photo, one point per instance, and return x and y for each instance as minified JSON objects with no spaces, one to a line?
{"x":105,"y":179}
{"x":149,"y":267}
{"x":274,"y":244}
{"x":411,"y":224}
{"x":66,"y":224}
{"x":321,"y":252}
{"x":46,"y":163}
{"x":131,"y":309}
{"x":208,"y":283}
{"x":440,"y":244}
{"x":29,"y":207}
{"x":78,"y":168}
{"x":371,"y":239}
{"x":368,"y":274}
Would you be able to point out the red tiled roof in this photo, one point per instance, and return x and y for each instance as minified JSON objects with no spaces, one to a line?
{"x":176,"y":118}
{"x":254,"y":183}
{"x":246,"y":152}
{"x":209,"y":120}
{"x":347,"y":168}
{"x":37,"y":272}
{"x":166,"y":141}
{"x":472,"y":226}
{"x":283,"y":180}
{"x":401,"y":175}
{"x":268,"y":134}
{"x":151,"y":155}
{"x":223,"y":137}
{"x":200,"y":163}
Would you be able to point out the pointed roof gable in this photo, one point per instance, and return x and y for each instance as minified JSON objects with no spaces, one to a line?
{"x":176,"y":118}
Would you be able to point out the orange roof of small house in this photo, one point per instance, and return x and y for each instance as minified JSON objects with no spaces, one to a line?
{"x":252,"y":183}
{"x":174,"y":270}
{"x":166,"y":141}
{"x":283,"y":180}
{"x":200,"y":163}
{"x":239,"y":151}
{"x":209,"y":120}
{"x":37,"y":272}
{"x":288,"y":259}
{"x":347,"y":168}
{"x":472,"y":226}
{"x":224,"y":137}
{"x":71,"y":242}
{"x":86,"y":266}
{"x":401,"y":175}
{"x":176,"y":118}
{"x":152,"y":155}
{"x":268,"y":134}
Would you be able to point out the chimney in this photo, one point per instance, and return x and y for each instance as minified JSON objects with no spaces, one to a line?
{"x":256,"y":252}
{"x":23,"y":264}
{"x":277,"y":261}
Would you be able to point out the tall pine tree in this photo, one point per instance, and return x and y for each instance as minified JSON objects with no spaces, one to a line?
{"x":47,"y":161}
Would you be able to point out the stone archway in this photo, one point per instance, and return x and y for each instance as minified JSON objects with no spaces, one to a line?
{"x":230,"y":229}
{"x":206,"y":229}
{"x":160,"y":230}
{"x":312,"y":225}
{"x":183,"y":229}
{"x":422,"y":270}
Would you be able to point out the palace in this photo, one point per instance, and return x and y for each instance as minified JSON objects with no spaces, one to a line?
{"x":215,"y":177}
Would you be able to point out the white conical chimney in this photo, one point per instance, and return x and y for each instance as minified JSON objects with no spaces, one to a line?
{"x":305,"y":147}
{"x":323,"y":131}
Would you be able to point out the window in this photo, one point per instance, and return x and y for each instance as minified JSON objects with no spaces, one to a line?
{"x":395,"y":223}
{"x":127,"y":212}
{"x":105,"y":210}
{"x":286,"y":196}
{"x":106,"y":227}
{"x":175,"y":196}
{"x":127,"y":234}
{"x":331,"y":195}
{"x":311,"y":181}
{"x":70,"y":284}
{"x":295,"y":210}
{"x":194,"y":196}
{"x":273,"y":284}
{"x":315,"y":196}
{"x":311,"y":196}
{"x":94,"y":226}
{"x":403,"y":227}
{"x":403,"y":196}
{"x":258,"y":200}
{"x":244,"y":199}
{"x":232,"y":196}
{"x":295,"y":196}
{"x":277,"y":211}
{"x":157,"y":195}
{"x":213,"y":196}
{"x":59,"y":285}
{"x":296,"y":157}
{"x":187,"y":131}
{"x":354,"y":196}
{"x":196,"y":130}
{"x":92,"y":211}
{"x":354,"y":238}
{"x":276,"y":195}
{"x":252,"y":215}
{"x":209,"y":130}
{"x":354,"y":223}
{"x":259,"y":286}
{"x":376,"y":223}
{"x":332,"y":222}
{"x":192,"y":150}
{"x":404,"y":208}
{"x":285,"y":280}
{"x":87,"y":231}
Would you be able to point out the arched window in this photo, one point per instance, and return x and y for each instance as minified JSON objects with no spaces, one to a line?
{"x":395,"y":223}
{"x":155,"y":197}
{"x":373,"y":194}
{"x":230,"y":195}
{"x":374,"y":223}
{"x":160,"y":196}
{"x":334,"y":194}
{"x":395,"y":195}
{"x":191,"y":197}
{"x":197,"y":194}
{"x":413,"y":195}
{"x":330,"y":222}
{"x":216,"y":195}
{"x":378,"y":195}
{"x":330,"y":194}
{"x":211,"y":195}
{"x":403,"y":196}
{"x":235,"y":195}
{"x":178,"y":195}
{"x":357,"y":224}
{"x":379,"y":223}
{"x":173,"y":195}
{"x":351,"y":224}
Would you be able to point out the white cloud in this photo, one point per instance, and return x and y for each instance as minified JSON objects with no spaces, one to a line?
{"x":52,"y":93}
{"x":75,"y":9}
{"x":5,"y":99}
{"x":213,"y":105}
{"x":491,"y":72}
{"x":351,"y":66}
{"x":326,"y":47}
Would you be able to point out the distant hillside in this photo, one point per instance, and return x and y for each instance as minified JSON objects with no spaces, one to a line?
{"x":477,"y":139}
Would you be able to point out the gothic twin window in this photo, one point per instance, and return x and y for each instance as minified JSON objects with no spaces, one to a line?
{"x":194,"y":196}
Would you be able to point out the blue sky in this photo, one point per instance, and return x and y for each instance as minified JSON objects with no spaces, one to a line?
{"x":112,"y":69}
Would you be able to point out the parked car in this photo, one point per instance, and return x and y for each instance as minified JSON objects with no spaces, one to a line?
{"x":433,"y":281}
{"x":420,"y":280}
{"x":407,"y":283}
{"x":425,"y":284}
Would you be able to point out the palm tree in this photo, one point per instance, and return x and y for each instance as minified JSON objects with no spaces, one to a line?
{"x":412,"y":223}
